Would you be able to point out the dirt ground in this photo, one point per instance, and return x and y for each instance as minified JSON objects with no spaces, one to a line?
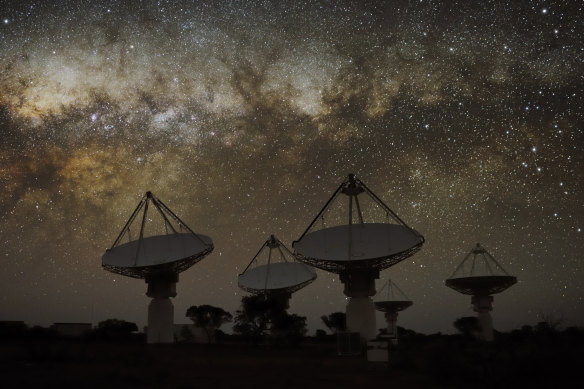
{"x":514,"y":361}
{"x":192,"y":366}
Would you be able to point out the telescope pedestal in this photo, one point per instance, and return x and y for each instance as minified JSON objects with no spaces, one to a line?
{"x":160,"y":321}
{"x":359,"y":286}
{"x":161,"y":310}
{"x":391,"y":319}
{"x":361,"y":317}
{"x":483,"y":305}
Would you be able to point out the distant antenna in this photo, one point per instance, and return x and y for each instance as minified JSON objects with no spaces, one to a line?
{"x":480,"y":275}
{"x":156,"y":246}
{"x":391,"y":301}
{"x":356,"y":236}
{"x":275,"y":273}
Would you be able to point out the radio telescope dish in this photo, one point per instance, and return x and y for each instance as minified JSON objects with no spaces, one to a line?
{"x":480,"y":275}
{"x":392,"y":306}
{"x":161,"y":247}
{"x":288,"y":277}
{"x":373,"y":246}
{"x":174,"y":252}
{"x":265,"y":276}
{"x":357,"y":243}
{"x":392,"y":300}
{"x":360,"y":244}
{"x":481,"y":284}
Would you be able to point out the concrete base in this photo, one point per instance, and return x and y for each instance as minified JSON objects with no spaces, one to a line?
{"x":160,"y":321}
{"x":486,"y":324}
{"x":361,"y":317}
{"x":483,"y":305}
{"x":391,"y":319}
{"x":161,"y":286}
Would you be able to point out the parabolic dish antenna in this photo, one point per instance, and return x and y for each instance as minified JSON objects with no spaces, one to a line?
{"x":391,"y":298}
{"x":175,"y":252}
{"x":156,"y":246}
{"x":392,"y":306}
{"x":480,"y":275}
{"x":357,"y":239}
{"x":174,"y":249}
{"x":274,"y":270}
{"x":378,"y":243}
{"x":373,"y":245}
{"x":289,"y":277}
{"x":481,"y":284}
{"x":391,"y":301}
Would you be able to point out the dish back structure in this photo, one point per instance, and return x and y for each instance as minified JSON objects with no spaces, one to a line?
{"x":275,"y":273}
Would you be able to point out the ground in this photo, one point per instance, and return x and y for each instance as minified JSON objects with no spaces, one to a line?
{"x":439,"y":362}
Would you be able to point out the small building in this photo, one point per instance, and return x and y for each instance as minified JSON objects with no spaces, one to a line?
{"x":378,"y":350}
{"x":71,"y":329}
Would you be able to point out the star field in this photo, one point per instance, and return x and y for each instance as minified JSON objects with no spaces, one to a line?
{"x":243,"y":117}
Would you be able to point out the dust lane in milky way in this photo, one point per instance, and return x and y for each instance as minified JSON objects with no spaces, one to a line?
{"x":243,"y":118}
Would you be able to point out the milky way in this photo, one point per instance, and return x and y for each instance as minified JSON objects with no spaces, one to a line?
{"x":243,"y":117}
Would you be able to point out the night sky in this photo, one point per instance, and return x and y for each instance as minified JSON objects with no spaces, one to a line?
{"x":244,"y":117}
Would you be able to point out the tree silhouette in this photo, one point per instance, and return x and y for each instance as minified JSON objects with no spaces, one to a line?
{"x":289,"y":327}
{"x":548,"y":323}
{"x":256,"y":314}
{"x":209,"y":318}
{"x":186,"y":335}
{"x":115,"y":329}
{"x":335,"y":322}
{"x":117,"y":325}
{"x":262,"y":315}
{"x":467,"y":325}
